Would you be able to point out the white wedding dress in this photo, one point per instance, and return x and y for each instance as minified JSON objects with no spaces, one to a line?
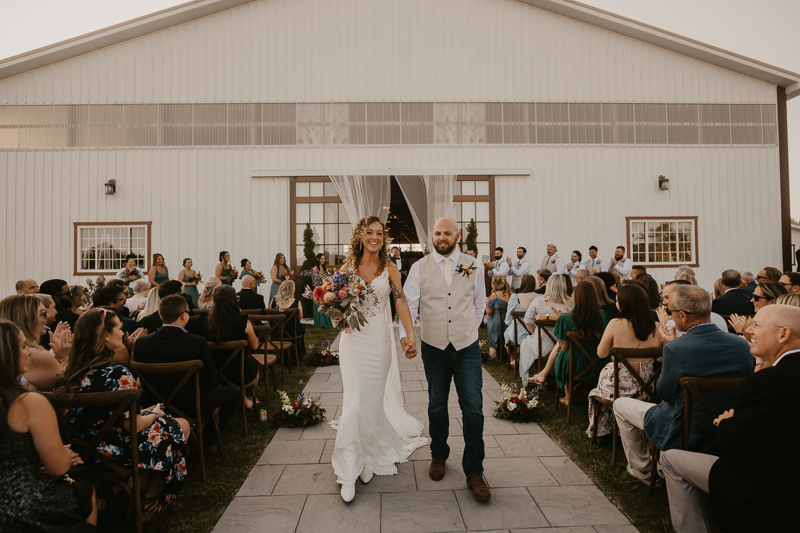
{"x":374,"y":429}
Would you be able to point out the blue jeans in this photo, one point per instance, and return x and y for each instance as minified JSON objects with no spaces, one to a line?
{"x":464,"y":367}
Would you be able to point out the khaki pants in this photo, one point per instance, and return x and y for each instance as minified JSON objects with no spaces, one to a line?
{"x":630,"y":419}
{"x":686,"y":475}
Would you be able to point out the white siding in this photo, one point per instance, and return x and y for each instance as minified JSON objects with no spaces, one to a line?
{"x":382,"y":50}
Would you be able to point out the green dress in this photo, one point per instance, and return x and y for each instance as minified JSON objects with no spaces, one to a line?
{"x":248,"y":273}
{"x":160,"y":278}
{"x":273,"y":289}
{"x":224,"y":277}
{"x":191,"y":290}
{"x":563,"y":326}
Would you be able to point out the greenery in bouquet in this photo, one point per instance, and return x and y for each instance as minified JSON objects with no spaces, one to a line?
{"x":304,"y":411}
{"x":323,"y":357}
{"x":258,"y":275}
{"x":233,"y":274}
{"x":337,"y":293}
{"x":516,"y":405}
{"x":197,"y":278}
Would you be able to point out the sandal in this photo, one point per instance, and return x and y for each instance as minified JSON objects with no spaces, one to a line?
{"x":152,"y":505}
{"x":256,"y":404}
{"x":535,"y":381}
{"x":563,"y":401}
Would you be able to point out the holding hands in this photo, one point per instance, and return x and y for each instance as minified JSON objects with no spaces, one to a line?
{"x":409,"y":347}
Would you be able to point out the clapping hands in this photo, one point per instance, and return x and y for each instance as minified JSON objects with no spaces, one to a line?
{"x":130,"y":339}
{"x":737,"y":322}
{"x":61,"y":341}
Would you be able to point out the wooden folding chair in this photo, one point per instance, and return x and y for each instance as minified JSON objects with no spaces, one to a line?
{"x":188,"y":370}
{"x":292,"y":319}
{"x":696,"y":387}
{"x":239,"y":351}
{"x":268,"y":349}
{"x":574,"y":341}
{"x":627,"y":357}
{"x":501,"y":310}
{"x":200,"y":312}
{"x":121,"y":401}
{"x":542,"y":325}
{"x":518,"y":317}
{"x":287,"y":332}
{"x":247,"y":312}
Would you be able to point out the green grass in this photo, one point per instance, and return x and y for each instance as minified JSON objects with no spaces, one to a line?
{"x":199,"y":505}
{"x":649,"y":515}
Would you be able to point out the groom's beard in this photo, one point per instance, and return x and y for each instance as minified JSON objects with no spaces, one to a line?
{"x":444,"y":248}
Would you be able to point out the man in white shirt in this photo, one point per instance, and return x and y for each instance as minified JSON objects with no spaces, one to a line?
{"x":621,"y":264}
{"x":518,"y":268}
{"x":594,"y":264}
{"x":498,"y":267}
{"x":552,"y":261}
{"x":574,"y":265}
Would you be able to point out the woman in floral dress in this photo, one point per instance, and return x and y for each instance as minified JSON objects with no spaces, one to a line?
{"x":161,"y":438}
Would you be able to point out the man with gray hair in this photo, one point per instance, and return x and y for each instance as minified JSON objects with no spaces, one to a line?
{"x":581,"y":275}
{"x":704,"y":352}
{"x":748,"y":284}
{"x":752,"y":486}
{"x":734,"y":300}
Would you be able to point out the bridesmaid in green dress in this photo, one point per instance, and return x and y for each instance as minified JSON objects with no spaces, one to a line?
{"x":223,"y":270}
{"x":247,"y":270}
{"x":321,"y":320}
{"x":189,"y":285}
{"x":277,"y":274}
{"x":158,"y":273}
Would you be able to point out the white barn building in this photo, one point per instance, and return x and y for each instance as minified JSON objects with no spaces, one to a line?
{"x":221,"y":121}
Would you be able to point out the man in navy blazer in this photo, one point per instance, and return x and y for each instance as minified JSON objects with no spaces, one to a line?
{"x":704,"y":351}
{"x":752,"y":485}
{"x":173,"y":344}
{"x":735,"y":300}
{"x":748,"y":284}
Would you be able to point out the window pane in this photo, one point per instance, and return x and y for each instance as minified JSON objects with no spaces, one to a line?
{"x":481,"y":211}
{"x":331,"y":213}
{"x":316,"y":188}
{"x":343,"y":215}
{"x":457,"y":188}
{"x":344,"y":233}
{"x":468,"y":188}
{"x":331,"y":233}
{"x":301,"y":189}
{"x":301,"y":213}
{"x":483,"y":231}
{"x":300,"y":228}
{"x":317,"y":211}
{"x":329,"y":189}
{"x":467,"y":211}
{"x":456,"y":212}
{"x":482,"y":188}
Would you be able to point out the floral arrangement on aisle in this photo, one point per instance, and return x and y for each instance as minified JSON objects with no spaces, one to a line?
{"x":232,"y":274}
{"x":197,"y":278}
{"x":304,"y":411}
{"x":517,"y":405}
{"x":336,"y":293}
{"x":323,"y":357}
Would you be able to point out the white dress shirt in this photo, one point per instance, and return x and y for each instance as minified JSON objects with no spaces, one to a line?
{"x":522,"y":267}
{"x":411,"y":289}
{"x":560,"y":268}
{"x":399,"y":263}
{"x":591,"y":263}
{"x":500,"y":268}
{"x":575,"y":267}
{"x":624,"y":269}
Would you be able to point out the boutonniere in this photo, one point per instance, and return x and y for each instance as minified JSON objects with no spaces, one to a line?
{"x":552,"y":261}
{"x":621,"y":261}
{"x":465,"y":270}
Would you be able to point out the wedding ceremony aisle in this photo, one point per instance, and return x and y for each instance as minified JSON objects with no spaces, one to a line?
{"x":535,"y":486}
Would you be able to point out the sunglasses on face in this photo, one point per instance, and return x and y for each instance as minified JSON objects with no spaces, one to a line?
{"x":757,"y":298}
{"x":670,"y":311}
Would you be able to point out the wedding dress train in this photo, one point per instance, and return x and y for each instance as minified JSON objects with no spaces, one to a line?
{"x":374,"y":429}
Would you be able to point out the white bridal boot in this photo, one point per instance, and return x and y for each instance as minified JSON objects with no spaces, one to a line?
{"x":366,"y":475}
{"x":348,"y":492}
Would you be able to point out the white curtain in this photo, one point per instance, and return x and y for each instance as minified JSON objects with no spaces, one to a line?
{"x":429,"y":197}
{"x":364,"y":196}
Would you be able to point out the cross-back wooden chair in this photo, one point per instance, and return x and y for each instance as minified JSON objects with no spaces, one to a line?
{"x":518,"y":321}
{"x":238,"y":353}
{"x":190,"y":371}
{"x":697,"y":387}
{"x":541,"y":326}
{"x":287,"y":331}
{"x":627,"y":357}
{"x":99,"y":467}
{"x":247,"y":312}
{"x":200,"y":312}
{"x":574,"y":340}
{"x":269,"y":349}
{"x":501,"y":310}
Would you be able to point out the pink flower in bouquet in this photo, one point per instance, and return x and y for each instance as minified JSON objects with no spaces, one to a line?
{"x":319,"y":294}
{"x":329,"y":298}
{"x":342,"y":294}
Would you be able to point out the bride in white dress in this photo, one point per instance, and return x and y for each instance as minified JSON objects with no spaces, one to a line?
{"x":374,"y":431}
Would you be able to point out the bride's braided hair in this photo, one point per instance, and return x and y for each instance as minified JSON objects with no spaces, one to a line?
{"x":356,"y":250}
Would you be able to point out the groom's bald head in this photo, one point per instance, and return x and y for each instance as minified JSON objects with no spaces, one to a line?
{"x":445,"y":235}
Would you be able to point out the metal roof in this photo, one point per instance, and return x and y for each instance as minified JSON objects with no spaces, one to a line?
{"x":569,"y":8}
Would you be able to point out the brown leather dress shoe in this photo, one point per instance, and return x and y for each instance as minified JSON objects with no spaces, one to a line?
{"x":437,"y":469}
{"x":480,"y":490}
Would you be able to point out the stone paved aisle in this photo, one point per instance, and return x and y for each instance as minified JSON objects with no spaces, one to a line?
{"x":535,"y":487}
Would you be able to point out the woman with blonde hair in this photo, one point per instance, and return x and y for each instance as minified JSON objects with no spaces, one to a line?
{"x":719,"y":288}
{"x":284,"y":300}
{"x":501,"y":293}
{"x":30,"y":314}
{"x":549,"y":306}
{"x":206,"y":299}
{"x":792,"y":298}
{"x":76,"y":296}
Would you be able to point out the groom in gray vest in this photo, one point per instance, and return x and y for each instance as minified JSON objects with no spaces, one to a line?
{"x":446,"y":288}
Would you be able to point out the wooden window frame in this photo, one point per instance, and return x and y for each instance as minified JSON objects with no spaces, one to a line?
{"x":76,"y":251}
{"x":695,"y":250}
{"x":481,"y":198}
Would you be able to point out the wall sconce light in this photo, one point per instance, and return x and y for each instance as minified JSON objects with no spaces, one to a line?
{"x":663,"y":183}
{"x":111,"y":187}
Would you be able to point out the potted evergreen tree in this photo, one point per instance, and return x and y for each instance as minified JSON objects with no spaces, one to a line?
{"x":309,"y":262}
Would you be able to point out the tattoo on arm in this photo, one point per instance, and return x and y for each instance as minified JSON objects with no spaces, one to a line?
{"x":397,"y":293}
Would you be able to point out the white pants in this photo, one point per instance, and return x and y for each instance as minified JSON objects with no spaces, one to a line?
{"x":686,"y":475}
{"x":630,"y":419}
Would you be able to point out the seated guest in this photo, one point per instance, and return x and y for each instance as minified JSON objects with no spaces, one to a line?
{"x":224,"y":323}
{"x":637,"y":270}
{"x":703,"y":352}
{"x":666,"y":321}
{"x":173,"y":344}
{"x":651,"y":288}
{"x":284,"y":300}
{"x":152,"y":321}
{"x":518,"y":302}
{"x":161,"y":438}
{"x":49,"y":319}
{"x":33,"y":461}
{"x":766,"y":293}
{"x":633,"y":328}
{"x":141,"y":288}
{"x":499,"y":297}
{"x":581,"y":275}
{"x":248,"y":297}
{"x":765,"y":274}
{"x":719,"y":288}
{"x":588,"y":320}
{"x":606,"y":304}
{"x":791,"y":281}
{"x":734,"y":300}
{"x":544,"y":307}
{"x":27,"y":286}
{"x":114,"y":295}
{"x":77,"y":295}
{"x":611,"y":283}
{"x":29,"y":315}
{"x":206,"y":299}
{"x":541,"y":280}
{"x":59,"y":290}
{"x":792,"y":298}
{"x":748,"y":284}
{"x":684,"y":269}
{"x":751,"y":486}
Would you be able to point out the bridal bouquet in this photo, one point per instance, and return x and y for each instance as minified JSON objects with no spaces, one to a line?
{"x":516,"y":405}
{"x":337,"y":293}
{"x":323,"y":357}
{"x":133,"y":272}
{"x":197,"y":278}
{"x":304,"y":411}
{"x":258,"y":275}
{"x":232,"y":275}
